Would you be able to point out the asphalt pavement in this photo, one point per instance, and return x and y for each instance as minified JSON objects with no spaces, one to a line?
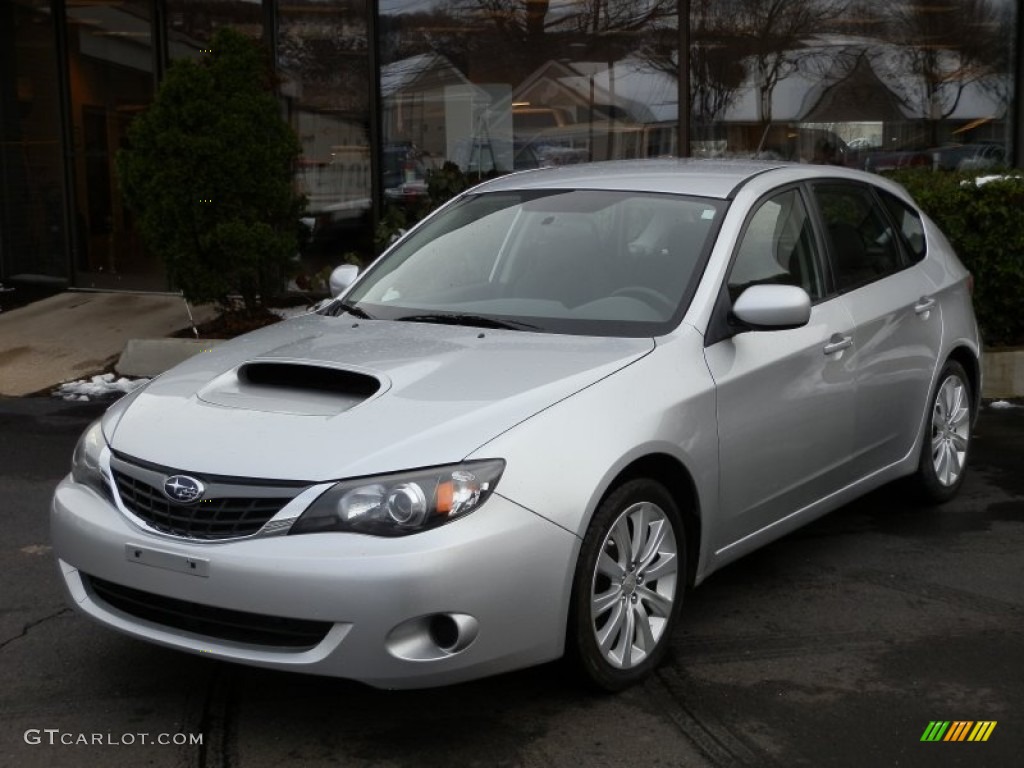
{"x":836,"y":646}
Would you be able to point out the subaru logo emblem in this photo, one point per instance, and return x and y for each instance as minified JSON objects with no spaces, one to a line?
{"x":183,"y":489}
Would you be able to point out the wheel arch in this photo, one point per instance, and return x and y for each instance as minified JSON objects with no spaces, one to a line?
{"x":668,"y":471}
{"x":968,"y":359}
{"x":673,"y":474}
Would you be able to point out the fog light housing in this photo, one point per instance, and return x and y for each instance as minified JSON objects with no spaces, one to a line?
{"x":432,"y":637}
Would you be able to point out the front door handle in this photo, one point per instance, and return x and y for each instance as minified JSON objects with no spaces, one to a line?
{"x":838,"y":343}
{"x":924,"y":304}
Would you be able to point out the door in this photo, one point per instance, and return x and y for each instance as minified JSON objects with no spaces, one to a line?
{"x":785,"y":398}
{"x":110,"y":69}
{"x":875,"y":256}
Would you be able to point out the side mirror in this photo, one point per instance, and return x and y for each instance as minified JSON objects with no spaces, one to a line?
{"x":773,"y":307}
{"x":341,"y":278}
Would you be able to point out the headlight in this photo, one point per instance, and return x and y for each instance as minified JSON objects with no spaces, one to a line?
{"x":404,"y":503}
{"x":85,"y":463}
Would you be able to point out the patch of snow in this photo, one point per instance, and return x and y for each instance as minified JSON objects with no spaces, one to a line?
{"x":1003,"y":404}
{"x":102,"y":385}
{"x":983,"y":180}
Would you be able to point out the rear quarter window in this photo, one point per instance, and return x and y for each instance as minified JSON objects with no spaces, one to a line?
{"x":909,"y":226}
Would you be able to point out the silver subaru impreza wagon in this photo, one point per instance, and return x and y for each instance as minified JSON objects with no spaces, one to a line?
{"x":530,"y":426}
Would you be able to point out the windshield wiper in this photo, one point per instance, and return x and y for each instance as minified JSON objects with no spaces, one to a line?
{"x":481,"y":321}
{"x":352,"y":310}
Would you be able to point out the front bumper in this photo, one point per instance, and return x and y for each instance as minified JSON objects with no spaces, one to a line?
{"x":506,"y":568}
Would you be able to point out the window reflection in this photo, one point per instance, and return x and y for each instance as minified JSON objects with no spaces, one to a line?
{"x":32,"y":237}
{"x":870,"y":84}
{"x":495,"y":86}
{"x":191,"y":23}
{"x":498,"y":86}
{"x":110,"y":64}
{"x":324,"y":72}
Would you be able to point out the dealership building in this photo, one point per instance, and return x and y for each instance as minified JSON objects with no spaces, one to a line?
{"x":381,"y":92}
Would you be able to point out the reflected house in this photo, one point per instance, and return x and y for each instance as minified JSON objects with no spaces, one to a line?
{"x":568,"y":112}
{"x":334,"y":168}
{"x":322,"y":69}
{"x":427,"y":102}
{"x":842,"y":90}
{"x":618,"y":104}
{"x":858,"y":90}
{"x":857,"y":96}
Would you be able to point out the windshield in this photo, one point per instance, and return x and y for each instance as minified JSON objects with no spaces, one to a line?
{"x":567,"y":261}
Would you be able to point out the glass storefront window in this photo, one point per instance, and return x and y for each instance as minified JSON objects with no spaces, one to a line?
{"x":497,"y":86}
{"x":191,"y":23}
{"x":492,"y":86}
{"x":110,"y":68}
{"x":868,"y":84}
{"x":325,"y":81}
{"x":32,"y":232}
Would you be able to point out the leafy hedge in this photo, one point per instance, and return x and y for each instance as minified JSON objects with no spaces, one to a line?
{"x":985,"y":223}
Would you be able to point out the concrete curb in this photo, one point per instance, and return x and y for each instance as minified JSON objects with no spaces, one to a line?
{"x":1003,"y":371}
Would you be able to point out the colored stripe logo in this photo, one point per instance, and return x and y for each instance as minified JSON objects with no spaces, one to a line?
{"x":958,"y":730}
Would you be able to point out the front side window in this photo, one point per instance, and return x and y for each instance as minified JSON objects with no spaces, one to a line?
{"x":572,"y":261}
{"x":862,"y":244}
{"x":778,"y":248}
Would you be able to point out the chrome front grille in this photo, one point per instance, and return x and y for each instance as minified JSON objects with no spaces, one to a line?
{"x":229,"y":509}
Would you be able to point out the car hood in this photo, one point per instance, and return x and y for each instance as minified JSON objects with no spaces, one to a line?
{"x":319,"y":398}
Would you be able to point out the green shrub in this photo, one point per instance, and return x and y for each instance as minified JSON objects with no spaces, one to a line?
{"x":209,"y":170}
{"x":985,"y":224}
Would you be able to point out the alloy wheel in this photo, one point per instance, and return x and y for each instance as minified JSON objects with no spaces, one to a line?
{"x":951,"y":417}
{"x":634,"y":585}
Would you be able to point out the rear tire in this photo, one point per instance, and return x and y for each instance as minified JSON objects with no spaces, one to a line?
{"x":947,"y":438}
{"x":629,"y":584}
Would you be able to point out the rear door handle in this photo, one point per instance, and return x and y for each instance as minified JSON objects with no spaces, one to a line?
{"x":838,"y":343}
{"x":924,"y":304}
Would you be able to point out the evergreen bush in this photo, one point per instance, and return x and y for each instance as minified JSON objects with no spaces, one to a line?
{"x":209,"y":171}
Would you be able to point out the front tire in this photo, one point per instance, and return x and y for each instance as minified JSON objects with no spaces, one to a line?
{"x":947,"y":440}
{"x":629,"y":585}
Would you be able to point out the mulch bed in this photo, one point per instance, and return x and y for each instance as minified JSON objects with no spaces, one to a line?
{"x":230,"y":324}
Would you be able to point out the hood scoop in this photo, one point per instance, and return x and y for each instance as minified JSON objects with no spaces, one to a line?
{"x":293,"y":387}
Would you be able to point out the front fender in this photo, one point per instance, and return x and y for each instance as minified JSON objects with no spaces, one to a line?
{"x":562,"y":462}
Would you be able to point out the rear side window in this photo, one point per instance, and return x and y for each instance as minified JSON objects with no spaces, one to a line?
{"x":863,"y":245}
{"x":911,"y":227}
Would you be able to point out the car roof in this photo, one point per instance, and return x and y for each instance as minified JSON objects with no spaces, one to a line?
{"x":708,"y":178}
{"x":718,"y":178}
